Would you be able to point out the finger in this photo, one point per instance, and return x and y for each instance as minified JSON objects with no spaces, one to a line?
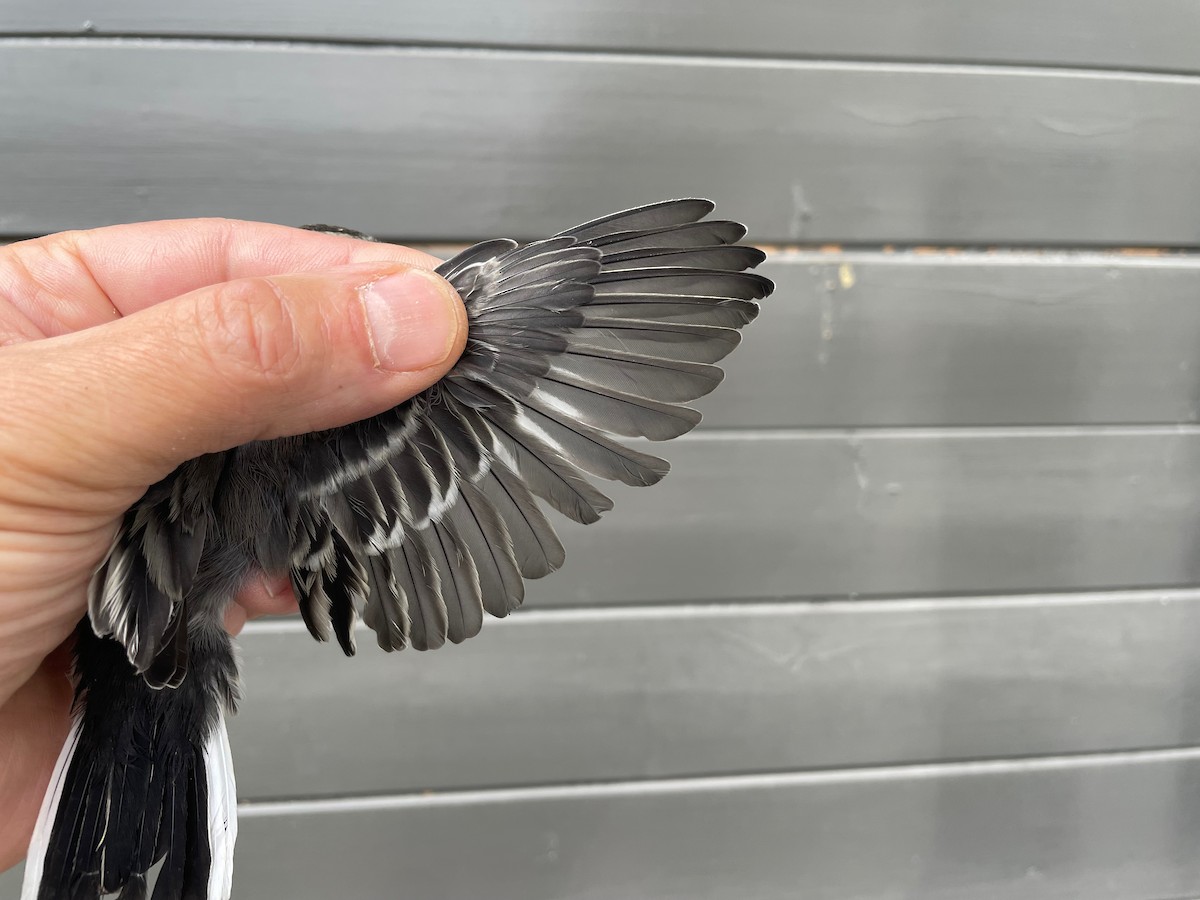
{"x":235,"y":618}
{"x":77,"y":279}
{"x":261,"y":596}
{"x":267,"y":596}
{"x":262,"y":357}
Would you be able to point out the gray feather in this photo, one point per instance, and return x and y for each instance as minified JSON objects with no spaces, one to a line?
{"x":520,"y":447}
{"x":674,"y":308}
{"x":694,"y":234}
{"x":359,"y":514}
{"x":614,"y":410}
{"x":539,"y":298}
{"x":683,"y":281}
{"x":414,"y":474}
{"x":592,"y":450}
{"x":686,"y":341}
{"x":656,"y":215}
{"x":669,"y":380}
{"x":579,"y":264}
{"x":418,"y":580}
{"x":458,"y":578}
{"x":485,"y":539}
{"x":431,"y":444}
{"x":460,"y":267}
{"x":536,"y":548}
{"x":394,"y":503}
{"x":724,"y":257}
{"x":453,"y":423}
{"x":533,"y":254}
{"x":386,"y":611}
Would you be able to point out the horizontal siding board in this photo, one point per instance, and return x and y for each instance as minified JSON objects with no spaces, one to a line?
{"x":1116,"y":829}
{"x":666,"y":692}
{"x":857,"y":339}
{"x":861,"y":339}
{"x":479,"y":143}
{"x":1152,"y":34}
{"x":781,"y":514}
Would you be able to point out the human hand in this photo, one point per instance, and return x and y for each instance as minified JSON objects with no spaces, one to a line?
{"x":125,"y":351}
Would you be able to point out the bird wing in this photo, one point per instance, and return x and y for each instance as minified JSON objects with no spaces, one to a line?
{"x":427,"y":515}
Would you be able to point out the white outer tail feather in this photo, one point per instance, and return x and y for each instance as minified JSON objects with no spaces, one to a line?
{"x":40,"y":841}
{"x":222,"y":813}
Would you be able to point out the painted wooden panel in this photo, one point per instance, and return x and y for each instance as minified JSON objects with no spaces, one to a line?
{"x":1109,"y":827}
{"x":1154,"y":34}
{"x":861,"y":339}
{"x":825,"y":514}
{"x":447,"y":144}
{"x":663,"y":692}
{"x":1120,"y":827}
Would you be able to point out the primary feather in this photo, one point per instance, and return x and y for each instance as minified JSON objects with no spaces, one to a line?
{"x":421,"y":519}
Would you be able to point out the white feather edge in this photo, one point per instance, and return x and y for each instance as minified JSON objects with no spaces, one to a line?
{"x":222,"y":811}
{"x":40,"y":842}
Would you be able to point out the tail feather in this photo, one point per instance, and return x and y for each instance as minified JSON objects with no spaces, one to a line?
{"x":40,"y":843}
{"x":145,"y":777}
{"x":222,"y":810}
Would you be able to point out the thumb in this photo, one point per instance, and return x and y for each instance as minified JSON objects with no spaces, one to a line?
{"x":121,"y":404}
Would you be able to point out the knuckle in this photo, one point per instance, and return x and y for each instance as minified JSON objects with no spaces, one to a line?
{"x":249,"y":332}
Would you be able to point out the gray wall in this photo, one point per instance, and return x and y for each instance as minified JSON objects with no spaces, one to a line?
{"x":915,"y":615}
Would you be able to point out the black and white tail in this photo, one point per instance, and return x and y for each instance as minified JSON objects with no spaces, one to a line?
{"x":144,"y":780}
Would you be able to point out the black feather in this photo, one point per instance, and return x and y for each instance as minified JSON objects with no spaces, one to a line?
{"x":135,"y":791}
{"x":135,"y":889}
{"x":197,"y":859}
{"x":169,"y":665}
{"x":345,"y":586}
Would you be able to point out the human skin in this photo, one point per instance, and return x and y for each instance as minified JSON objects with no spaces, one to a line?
{"x":125,"y":351}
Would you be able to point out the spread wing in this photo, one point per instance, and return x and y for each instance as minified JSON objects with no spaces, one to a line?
{"x":428,"y":515}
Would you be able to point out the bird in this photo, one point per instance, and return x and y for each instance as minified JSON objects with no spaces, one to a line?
{"x":417,"y":521}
